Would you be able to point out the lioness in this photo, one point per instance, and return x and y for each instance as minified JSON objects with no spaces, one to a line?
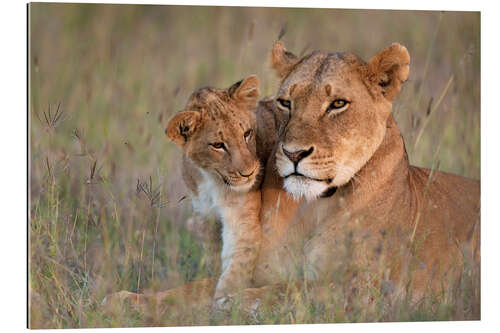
{"x":221,"y":168}
{"x":341,"y":150}
{"x":339,"y":191}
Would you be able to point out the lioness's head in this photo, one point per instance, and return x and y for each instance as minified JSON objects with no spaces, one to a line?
{"x":217,"y":130}
{"x":334,"y":108}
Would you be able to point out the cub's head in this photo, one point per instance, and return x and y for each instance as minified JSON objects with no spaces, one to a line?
{"x":334,"y":108}
{"x":217,"y":130}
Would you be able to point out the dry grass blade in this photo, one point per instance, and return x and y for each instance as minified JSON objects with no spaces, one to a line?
{"x":305,"y":49}
{"x":49,"y":169}
{"x":282,"y":31}
{"x":431,"y":177}
{"x":430,"y":52}
{"x":153,"y":194}
{"x":52,"y":120}
{"x":94,"y":177}
{"x":429,"y":107}
{"x":37,"y":116}
{"x":92,"y":170}
{"x":79,"y":136}
{"x":47,"y":122}
{"x":432,"y":110}
{"x":58,"y":113}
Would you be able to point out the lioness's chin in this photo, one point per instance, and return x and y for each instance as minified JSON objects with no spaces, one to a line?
{"x":302,"y":187}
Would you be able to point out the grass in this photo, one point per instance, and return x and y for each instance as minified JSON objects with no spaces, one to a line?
{"x":106,"y":201}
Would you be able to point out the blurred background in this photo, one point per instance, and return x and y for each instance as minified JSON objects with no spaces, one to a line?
{"x":106,"y":200}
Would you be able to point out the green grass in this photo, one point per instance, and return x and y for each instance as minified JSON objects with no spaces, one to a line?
{"x":120,"y":72}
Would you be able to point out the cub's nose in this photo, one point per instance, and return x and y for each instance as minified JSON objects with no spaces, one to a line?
{"x":298,"y":155}
{"x":247,"y":173}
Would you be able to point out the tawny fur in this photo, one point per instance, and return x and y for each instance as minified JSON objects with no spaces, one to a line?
{"x":402,"y":221}
{"x":406,"y":225}
{"x":224,"y":181}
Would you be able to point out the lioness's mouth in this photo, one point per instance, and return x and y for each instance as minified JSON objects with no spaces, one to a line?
{"x":329,"y":192}
{"x":297,"y":174}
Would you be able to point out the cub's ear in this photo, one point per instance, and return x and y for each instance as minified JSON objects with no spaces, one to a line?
{"x":245,"y":91}
{"x":182,"y":126}
{"x":282,"y":61}
{"x":389,"y":69}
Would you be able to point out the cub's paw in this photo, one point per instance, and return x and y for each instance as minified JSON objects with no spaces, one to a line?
{"x":249,"y":307}
{"x":223,"y":303}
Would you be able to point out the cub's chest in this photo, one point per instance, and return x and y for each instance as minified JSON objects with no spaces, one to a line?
{"x":205,"y":200}
{"x":214,"y":198}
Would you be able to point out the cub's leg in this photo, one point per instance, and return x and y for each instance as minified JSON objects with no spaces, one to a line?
{"x":241,"y":243}
{"x":175,"y":302}
{"x":188,"y":297}
{"x":197,"y":295}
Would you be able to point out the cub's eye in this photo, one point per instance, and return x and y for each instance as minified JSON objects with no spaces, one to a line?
{"x":248,"y":134}
{"x":284,"y":103}
{"x":218,"y":145}
{"x":337,"y":105}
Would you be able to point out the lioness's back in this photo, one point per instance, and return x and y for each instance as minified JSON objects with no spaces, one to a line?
{"x":450,"y":206}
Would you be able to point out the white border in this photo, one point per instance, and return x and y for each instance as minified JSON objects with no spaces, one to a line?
{"x":13,"y":140}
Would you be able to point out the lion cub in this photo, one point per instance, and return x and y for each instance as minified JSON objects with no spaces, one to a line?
{"x":217,"y":134}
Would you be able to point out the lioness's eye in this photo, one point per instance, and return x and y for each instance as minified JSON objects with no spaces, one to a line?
{"x":248,"y":134}
{"x":284,"y":103}
{"x":337,"y":104}
{"x":218,"y":145}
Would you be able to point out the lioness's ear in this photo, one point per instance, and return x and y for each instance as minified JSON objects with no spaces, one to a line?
{"x":389,"y":69}
{"x":245,"y":91}
{"x":182,"y":126}
{"x":282,"y":60}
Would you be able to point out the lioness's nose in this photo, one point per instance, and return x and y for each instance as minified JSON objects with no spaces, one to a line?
{"x":298,"y":155}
